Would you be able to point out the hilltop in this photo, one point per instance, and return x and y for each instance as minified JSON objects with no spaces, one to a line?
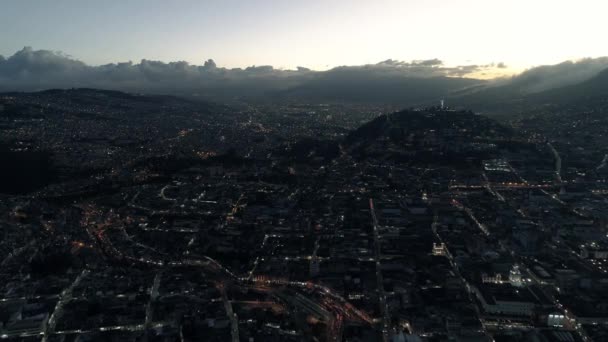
{"x":429,"y":135}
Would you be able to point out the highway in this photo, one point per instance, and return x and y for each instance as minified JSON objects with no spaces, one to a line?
{"x":335,"y":329}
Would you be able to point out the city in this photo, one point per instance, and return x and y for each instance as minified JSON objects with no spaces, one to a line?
{"x":423,"y":224}
{"x":315,"y":171}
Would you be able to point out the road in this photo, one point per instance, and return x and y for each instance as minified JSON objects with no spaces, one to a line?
{"x":378,"y":255}
{"x":153,"y":296}
{"x":234,"y":322}
{"x":455,"y":268}
{"x":321,"y":296}
{"x":164,"y":196}
{"x":335,"y":329}
{"x":16,"y":252}
{"x":469,"y":212}
{"x":65,"y":297}
{"x":257,"y":259}
{"x":130,"y":327}
{"x":603,"y":163}
{"x":488,"y":186}
{"x":558,"y":163}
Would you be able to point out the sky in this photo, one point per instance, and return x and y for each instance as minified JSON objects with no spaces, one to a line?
{"x":318,"y":34}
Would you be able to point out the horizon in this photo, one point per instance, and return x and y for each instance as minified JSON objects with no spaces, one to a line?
{"x":312,"y":34}
{"x":34,"y":70}
{"x":489,"y":71}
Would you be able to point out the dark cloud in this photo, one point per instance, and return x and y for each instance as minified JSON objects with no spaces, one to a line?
{"x":421,"y":68}
{"x":501,"y":65}
{"x":209,"y":64}
{"x":41,"y":62}
{"x":418,"y":63}
{"x":30,"y":69}
{"x":392,"y":63}
{"x":268,"y":69}
{"x":429,"y":62}
{"x":464,"y":70}
{"x":552,"y":76}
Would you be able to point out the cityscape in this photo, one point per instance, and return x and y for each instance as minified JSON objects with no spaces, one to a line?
{"x":360,"y":203}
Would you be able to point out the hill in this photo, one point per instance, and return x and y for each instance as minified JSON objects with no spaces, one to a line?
{"x":64,"y":135}
{"x":430,"y":136}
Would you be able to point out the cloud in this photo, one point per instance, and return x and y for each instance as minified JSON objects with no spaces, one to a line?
{"x":429,"y":62}
{"x":209,"y":64}
{"x":30,"y":70}
{"x":552,"y":76}
{"x":27,"y":63}
{"x":263,"y":69}
{"x":419,"y":69}
{"x":465,"y":70}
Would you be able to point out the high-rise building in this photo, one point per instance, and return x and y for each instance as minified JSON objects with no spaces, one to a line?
{"x":515,"y":276}
{"x":314,"y":267}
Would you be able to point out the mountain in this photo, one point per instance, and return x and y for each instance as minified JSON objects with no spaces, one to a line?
{"x":99,"y":102}
{"x":564,"y":83}
{"x":363,"y":87}
{"x":389,"y":81}
{"x":594,"y":89}
{"x":567,"y":73}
